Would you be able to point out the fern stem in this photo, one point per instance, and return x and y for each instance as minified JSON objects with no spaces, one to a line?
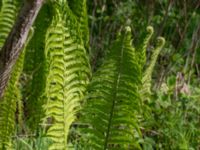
{"x":115,"y":86}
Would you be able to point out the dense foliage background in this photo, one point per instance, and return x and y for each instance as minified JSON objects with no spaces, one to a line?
{"x":177,"y":21}
{"x":170,"y":114}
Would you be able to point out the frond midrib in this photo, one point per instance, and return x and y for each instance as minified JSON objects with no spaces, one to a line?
{"x":115,"y":89}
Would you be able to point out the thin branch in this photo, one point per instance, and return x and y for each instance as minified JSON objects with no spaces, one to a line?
{"x":16,"y":40}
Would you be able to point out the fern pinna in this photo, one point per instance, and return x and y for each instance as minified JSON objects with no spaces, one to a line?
{"x":112,"y":100}
{"x":7,"y":18}
{"x":68,"y":73}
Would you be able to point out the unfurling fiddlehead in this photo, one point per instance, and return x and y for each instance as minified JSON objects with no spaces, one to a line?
{"x":141,"y":51}
{"x":146,"y":80}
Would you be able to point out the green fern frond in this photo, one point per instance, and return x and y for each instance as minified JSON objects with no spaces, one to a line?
{"x":146,"y":80}
{"x":79,"y":8}
{"x":113,"y":100}
{"x":141,"y":51}
{"x":12,"y":102}
{"x":7,"y":18}
{"x":8,"y":106}
{"x":12,"y":94}
{"x":68,"y":74}
{"x":35,"y":68}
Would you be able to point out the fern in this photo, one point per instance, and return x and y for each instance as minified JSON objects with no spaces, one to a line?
{"x":146,"y":80}
{"x":141,"y":50}
{"x":11,"y":103}
{"x":8,"y":106}
{"x":68,"y":73}
{"x":35,"y":69}
{"x":112,"y":100}
{"x":11,"y":96}
{"x":7,"y":17}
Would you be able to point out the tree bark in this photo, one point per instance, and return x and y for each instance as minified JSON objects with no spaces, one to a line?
{"x":16,"y":39}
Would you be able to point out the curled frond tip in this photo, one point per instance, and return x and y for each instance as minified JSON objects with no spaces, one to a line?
{"x":150,"y":29}
{"x":128,"y":29}
{"x":160,"y":41}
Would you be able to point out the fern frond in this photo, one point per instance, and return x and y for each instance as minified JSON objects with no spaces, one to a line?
{"x":68,"y":74}
{"x":12,"y":102}
{"x":141,"y":51}
{"x":35,"y":68}
{"x":146,"y":80}
{"x":79,"y":8}
{"x":11,"y":96}
{"x":7,"y":17}
{"x":113,"y":100}
{"x":8,"y":106}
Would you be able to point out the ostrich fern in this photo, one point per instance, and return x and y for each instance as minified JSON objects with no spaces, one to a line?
{"x":68,"y":72}
{"x":35,"y":68}
{"x":7,"y":17}
{"x":112,"y":100}
{"x":12,"y":102}
{"x":8,"y":106}
{"x":12,"y":96}
{"x":146,"y":80}
{"x":141,"y":50}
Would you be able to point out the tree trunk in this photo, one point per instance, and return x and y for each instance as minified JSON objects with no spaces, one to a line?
{"x":16,"y":40}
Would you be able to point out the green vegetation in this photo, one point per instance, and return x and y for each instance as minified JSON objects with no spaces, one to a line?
{"x":104,"y":75}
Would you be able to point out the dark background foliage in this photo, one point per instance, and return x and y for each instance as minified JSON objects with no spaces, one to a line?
{"x":177,"y":21}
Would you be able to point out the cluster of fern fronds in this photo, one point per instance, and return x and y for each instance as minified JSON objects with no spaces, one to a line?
{"x":52,"y":89}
